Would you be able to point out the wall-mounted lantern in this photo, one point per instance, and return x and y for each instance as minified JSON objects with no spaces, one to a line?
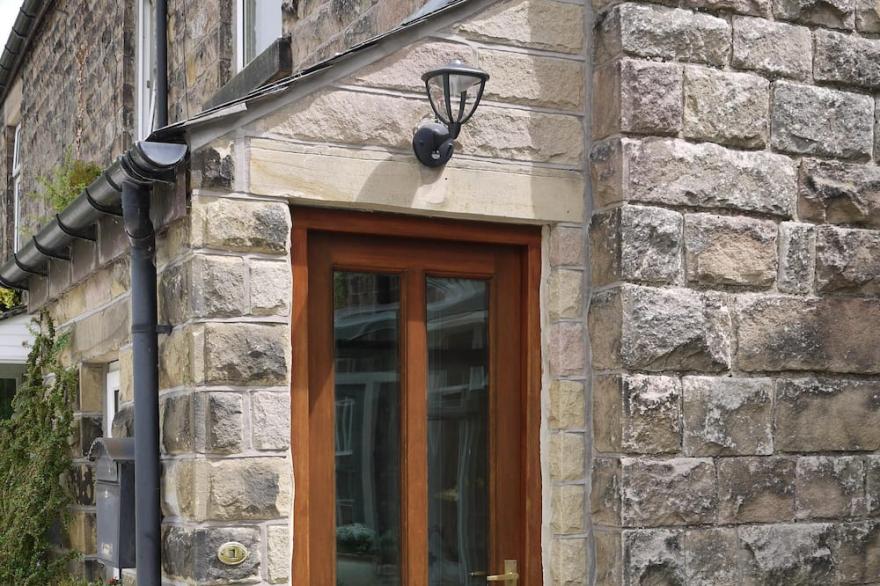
{"x":454,"y":91}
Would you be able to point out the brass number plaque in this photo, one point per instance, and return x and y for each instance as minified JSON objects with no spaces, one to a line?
{"x":232,"y":553}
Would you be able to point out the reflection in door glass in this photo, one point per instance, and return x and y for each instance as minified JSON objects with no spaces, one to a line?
{"x":367,"y":419}
{"x":458,"y":448}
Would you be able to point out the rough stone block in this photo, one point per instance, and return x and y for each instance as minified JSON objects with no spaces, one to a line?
{"x":270,"y":423}
{"x":568,"y":349}
{"x":839,"y":193}
{"x":724,"y":250}
{"x":237,"y":353}
{"x":609,"y":558}
{"x":792,"y":333}
{"x":177,"y":424}
{"x":659,"y":329}
{"x":857,"y":552}
{"x":522,"y":135}
{"x":565,"y":298}
{"x":216,"y":287}
{"x":91,"y":387}
{"x":830,"y":486}
{"x":811,"y":120}
{"x":605,"y":491}
{"x":213,"y":166}
{"x":710,"y":556}
{"x":727,"y":416}
{"x":567,"y":405}
{"x":278,"y":553}
{"x":542,"y":24}
{"x":248,"y":489}
{"x":848,"y":261}
{"x":847,"y":59}
{"x":705,"y":175}
{"x":402,"y":70}
{"x":175,"y":359}
{"x":126,"y":374}
{"x":787,"y":554}
{"x":79,"y":480}
{"x":664,"y":33}
{"x":640,"y":97}
{"x":567,"y":456}
{"x":654,"y":556}
{"x":223,"y":420}
{"x":637,"y":414}
{"x":567,"y":506}
{"x":241,"y":225}
{"x":872,"y":484}
{"x":191,"y":554}
{"x":830,"y":13}
{"x":635,"y":243}
{"x":773,"y":48}
{"x":814,"y":415}
{"x":568,"y":564}
{"x":867,"y":16}
{"x":520,"y":78}
{"x":728,"y":108}
{"x":270,"y":287}
{"x":566,"y":246}
{"x":753,"y":7}
{"x":797,"y":258}
{"x":756,"y":490}
{"x":679,"y":491}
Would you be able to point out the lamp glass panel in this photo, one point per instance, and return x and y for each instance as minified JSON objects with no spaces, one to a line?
{"x":438,"y":98}
{"x":464,"y":102}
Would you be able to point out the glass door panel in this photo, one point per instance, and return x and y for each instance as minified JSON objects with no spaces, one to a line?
{"x":366,"y":326}
{"x":458,"y":430}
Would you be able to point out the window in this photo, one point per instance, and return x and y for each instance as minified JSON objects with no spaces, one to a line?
{"x":146,"y":69}
{"x":258,"y":24}
{"x":111,"y":397}
{"x":16,"y":189}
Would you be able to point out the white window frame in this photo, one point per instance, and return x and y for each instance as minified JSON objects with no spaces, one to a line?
{"x":240,"y":33}
{"x":111,"y":397}
{"x":16,"y":188}
{"x":146,"y":70}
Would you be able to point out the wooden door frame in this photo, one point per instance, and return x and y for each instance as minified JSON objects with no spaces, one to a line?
{"x":528,"y":240}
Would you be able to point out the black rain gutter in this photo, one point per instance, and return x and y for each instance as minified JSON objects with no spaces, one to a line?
{"x":29,"y":16}
{"x":143,"y":164}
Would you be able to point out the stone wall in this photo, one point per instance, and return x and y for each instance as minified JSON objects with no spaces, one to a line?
{"x":77,"y":94}
{"x":734,"y":254}
{"x":200,"y":54}
{"x":321,"y":28}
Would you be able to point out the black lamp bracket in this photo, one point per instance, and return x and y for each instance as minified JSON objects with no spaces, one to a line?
{"x":433,"y":144}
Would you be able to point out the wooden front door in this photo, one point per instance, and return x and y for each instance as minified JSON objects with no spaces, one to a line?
{"x":415,"y":401}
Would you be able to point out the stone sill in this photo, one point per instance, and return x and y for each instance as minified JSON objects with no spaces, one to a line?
{"x":270,"y":65}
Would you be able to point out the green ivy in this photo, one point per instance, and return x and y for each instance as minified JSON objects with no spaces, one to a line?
{"x":9,"y":298}
{"x":66,"y":181}
{"x":34,"y":454}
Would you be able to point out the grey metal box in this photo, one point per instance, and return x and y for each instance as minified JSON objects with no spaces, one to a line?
{"x":114,"y":498}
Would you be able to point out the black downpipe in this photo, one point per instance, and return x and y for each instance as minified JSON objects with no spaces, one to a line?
{"x":136,"y":217}
{"x":161,"y":63}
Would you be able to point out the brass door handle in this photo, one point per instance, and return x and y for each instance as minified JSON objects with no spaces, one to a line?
{"x":510,"y":574}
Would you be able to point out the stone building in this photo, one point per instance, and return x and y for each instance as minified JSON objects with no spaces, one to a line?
{"x":627,"y":335}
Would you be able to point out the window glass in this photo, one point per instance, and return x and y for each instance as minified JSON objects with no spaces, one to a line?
{"x":458,"y":430}
{"x":146,"y":70}
{"x":16,"y":188}
{"x":366,"y":322}
{"x":259,"y":26}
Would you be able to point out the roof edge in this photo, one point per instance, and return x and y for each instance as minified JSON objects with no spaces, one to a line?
{"x":30,"y":15}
